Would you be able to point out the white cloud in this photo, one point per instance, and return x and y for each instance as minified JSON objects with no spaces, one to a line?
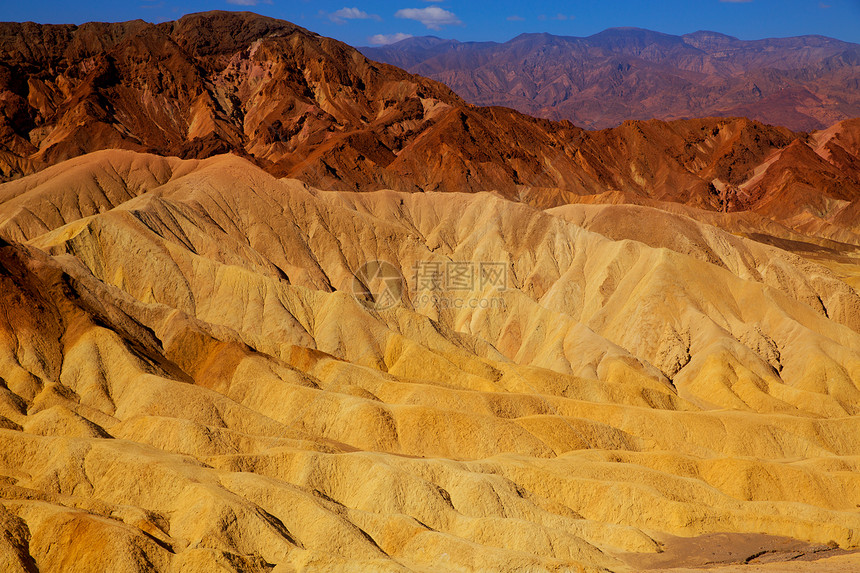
{"x":562,"y":17}
{"x":385,"y":39}
{"x":432,"y":17}
{"x":245,"y":2}
{"x":344,"y":14}
{"x":736,"y":1}
{"x":516,"y":18}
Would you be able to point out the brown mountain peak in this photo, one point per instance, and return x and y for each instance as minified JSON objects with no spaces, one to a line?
{"x":219,"y":32}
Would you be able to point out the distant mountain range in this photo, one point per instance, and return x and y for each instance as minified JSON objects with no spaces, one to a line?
{"x":804,"y":83}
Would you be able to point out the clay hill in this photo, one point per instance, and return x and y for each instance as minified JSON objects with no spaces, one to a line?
{"x":805,"y":83}
{"x":197,"y":373}
{"x":188,"y":383}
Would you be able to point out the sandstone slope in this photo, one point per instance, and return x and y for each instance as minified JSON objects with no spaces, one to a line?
{"x":189,"y":383}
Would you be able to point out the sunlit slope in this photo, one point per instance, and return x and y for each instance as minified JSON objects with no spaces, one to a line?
{"x":189,"y":382}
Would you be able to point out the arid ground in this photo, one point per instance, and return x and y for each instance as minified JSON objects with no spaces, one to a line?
{"x":397,"y":332}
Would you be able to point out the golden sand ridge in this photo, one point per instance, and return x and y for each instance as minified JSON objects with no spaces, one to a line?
{"x":190,"y":384}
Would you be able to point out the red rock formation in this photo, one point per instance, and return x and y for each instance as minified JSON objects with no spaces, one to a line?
{"x":312,"y":108}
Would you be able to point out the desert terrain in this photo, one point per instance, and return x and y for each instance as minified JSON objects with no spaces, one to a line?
{"x":653,"y":363}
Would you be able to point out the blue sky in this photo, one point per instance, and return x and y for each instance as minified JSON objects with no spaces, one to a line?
{"x":360,"y":22}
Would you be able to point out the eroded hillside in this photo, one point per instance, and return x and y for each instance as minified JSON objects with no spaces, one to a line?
{"x":189,"y":382}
